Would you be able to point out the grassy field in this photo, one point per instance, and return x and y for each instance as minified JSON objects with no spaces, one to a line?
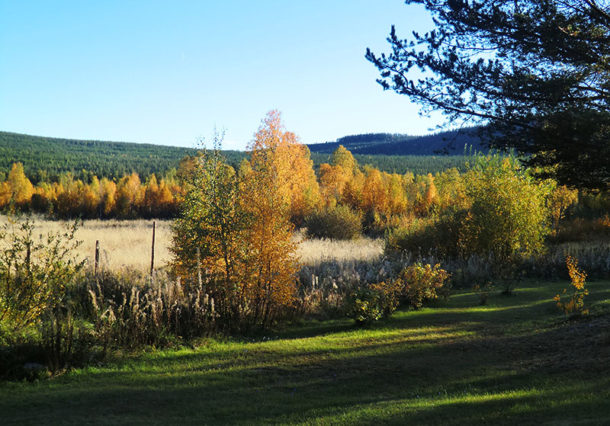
{"x":127,"y":243}
{"x":515,"y":360}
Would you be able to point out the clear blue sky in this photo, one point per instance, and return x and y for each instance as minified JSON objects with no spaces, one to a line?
{"x":169,"y":72}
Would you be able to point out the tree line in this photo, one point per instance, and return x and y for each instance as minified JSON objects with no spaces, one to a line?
{"x":127,"y":198}
{"x":47,"y":159}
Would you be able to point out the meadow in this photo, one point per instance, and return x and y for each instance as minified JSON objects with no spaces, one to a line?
{"x":515,"y":360}
{"x":128,"y":244}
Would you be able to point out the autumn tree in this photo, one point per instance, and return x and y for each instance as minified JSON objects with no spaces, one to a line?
{"x":267,"y":190}
{"x":237,"y":227}
{"x":290,"y":162}
{"x":108,"y":195}
{"x":560,"y":199}
{"x":210,"y":237}
{"x":5,"y":194}
{"x":20,"y":186}
{"x":336,"y":176}
{"x":508,"y":216}
{"x":129,"y":196}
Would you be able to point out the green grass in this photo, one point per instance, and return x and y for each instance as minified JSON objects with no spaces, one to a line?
{"x":513,"y":361}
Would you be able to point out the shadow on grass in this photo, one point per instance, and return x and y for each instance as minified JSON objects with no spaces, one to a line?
{"x":440,"y":366}
{"x":426,"y":380}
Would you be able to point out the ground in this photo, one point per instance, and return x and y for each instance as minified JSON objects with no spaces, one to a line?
{"x":515,"y":360}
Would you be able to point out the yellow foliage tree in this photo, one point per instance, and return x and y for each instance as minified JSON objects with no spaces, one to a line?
{"x":108,"y":195}
{"x":266,"y":197}
{"x":559,"y":200}
{"x":291,"y":164}
{"x":129,"y":196}
{"x":337,"y":177}
{"x":21,"y":187}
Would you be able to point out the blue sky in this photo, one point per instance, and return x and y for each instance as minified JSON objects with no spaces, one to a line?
{"x":169,"y":72}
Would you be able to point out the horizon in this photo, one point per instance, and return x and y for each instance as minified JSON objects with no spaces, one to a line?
{"x":196,"y":146}
{"x":171,"y":74}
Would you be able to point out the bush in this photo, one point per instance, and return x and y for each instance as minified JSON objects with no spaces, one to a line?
{"x":365,"y":306}
{"x":422,"y":283}
{"x":389,"y":296}
{"x":424,"y":236}
{"x":575,"y":303}
{"x":508,"y":218}
{"x":338,"y":223}
{"x":34,"y":272}
{"x":374,"y":302}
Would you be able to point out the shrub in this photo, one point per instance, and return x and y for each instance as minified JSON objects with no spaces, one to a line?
{"x":365,"y":306}
{"x":338,"y":223}
{"x":422,"y":283}
{"x":388,"y":296}
{"x":575,"y":303}
{"x":373,"y":302}
{"x":437,"y":235}
{"x":508,"y":216}
{"x":34,"y":272}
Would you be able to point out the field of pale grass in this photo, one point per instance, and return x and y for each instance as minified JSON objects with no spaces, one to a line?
{"x":127,"y":243}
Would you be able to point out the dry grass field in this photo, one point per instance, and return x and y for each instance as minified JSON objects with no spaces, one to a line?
{"x":127,"y":243}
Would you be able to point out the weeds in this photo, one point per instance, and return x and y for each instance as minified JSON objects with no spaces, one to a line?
{"x":575,"y":303}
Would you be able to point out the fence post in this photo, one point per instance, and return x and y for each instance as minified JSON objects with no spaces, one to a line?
{"x":152,"y":255}
{"x":97,"y":255}
{"x":199,"y":281}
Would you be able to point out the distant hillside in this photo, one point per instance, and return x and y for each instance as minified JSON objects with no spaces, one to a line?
{"x":450,"y":142}
{"x":46,"y":158}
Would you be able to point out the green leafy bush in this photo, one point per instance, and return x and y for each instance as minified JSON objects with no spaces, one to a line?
{"x":438,"y":235}
{"x":422,"y":283}
{"x":371,"y":303}
{"x":37,"y":332}
{"x":508,"y":218}
{"x":338,"y":223}
{"x":365,"y":306}
{"x":34,"y":272}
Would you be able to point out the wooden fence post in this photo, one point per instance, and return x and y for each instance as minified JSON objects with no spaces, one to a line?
{"x":152,"y":255}
{"x":97,"y":255}
{"x":199,"y":281}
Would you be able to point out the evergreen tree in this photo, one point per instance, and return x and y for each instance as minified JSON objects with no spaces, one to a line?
{"x":538,"y":72}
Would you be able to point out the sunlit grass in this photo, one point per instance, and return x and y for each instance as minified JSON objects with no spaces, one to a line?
{"x":515,"y":360}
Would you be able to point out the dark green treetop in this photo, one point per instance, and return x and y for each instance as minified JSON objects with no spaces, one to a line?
{"x":537,"y":72}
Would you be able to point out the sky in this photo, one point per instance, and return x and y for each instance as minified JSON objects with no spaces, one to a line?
{"x":171,"y":72}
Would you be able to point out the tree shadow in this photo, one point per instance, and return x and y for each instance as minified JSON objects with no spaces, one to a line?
{"x":450,"y":365}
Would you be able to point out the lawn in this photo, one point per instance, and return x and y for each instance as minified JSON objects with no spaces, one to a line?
{"x":515,"y":360}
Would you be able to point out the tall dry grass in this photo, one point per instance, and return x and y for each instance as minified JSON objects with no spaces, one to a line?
{"x":123,"y":243}
{"x":127,"y":244}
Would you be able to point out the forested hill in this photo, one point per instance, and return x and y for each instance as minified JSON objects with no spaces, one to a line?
{"x":450,"y":142}
{"x":44,"y":158}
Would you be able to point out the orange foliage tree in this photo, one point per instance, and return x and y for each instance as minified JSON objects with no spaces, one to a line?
{"x":290,"y":165}
{"x":239,"y":223}
{"x":268,"y":198}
